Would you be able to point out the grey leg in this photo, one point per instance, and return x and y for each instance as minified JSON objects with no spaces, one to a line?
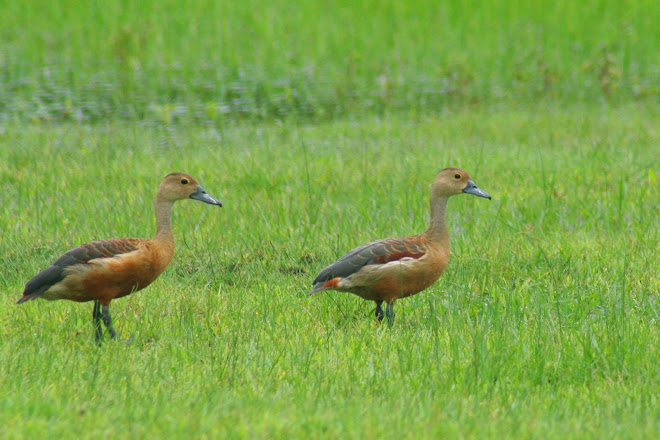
{"x":379,"y":311}
{"x":107,"y":320}
{"x":96,"y":315}
{"x":389,"y":312}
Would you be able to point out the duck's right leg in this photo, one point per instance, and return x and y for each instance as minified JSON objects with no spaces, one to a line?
{"x":96,"y":314}
{"x":389,"y":313}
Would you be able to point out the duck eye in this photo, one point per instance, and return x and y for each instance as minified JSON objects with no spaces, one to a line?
{"x":457,"y":176}
{"x":184,"y":181}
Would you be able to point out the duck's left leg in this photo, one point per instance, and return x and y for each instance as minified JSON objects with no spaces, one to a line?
{"x":379,"y":311}
{"x":107,"y":320}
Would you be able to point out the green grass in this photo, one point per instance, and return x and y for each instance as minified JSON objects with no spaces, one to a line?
{"x":209,"y":61}
{"x":545,"y":324}
{"x":321,"y":126}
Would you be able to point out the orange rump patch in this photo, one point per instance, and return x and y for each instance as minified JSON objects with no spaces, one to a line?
{"x":331,"y":284}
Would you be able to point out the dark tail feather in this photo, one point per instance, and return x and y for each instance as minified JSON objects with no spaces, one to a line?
{"x":316,"y":290}
{"x":28,"y":297}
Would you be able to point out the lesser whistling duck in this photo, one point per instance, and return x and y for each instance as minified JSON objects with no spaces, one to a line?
{"x":101,"y":271}
{"x":393,"y":268}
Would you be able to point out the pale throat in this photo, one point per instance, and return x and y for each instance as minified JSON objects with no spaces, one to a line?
{"x":438,"y":225}
{"x":164,"y":218}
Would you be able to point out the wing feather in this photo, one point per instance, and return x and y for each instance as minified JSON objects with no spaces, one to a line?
{"x":376,"y":252}
{"x":82,"y":254}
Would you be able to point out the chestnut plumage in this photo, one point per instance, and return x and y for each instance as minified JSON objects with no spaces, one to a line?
{"x":393,"y":268}
{"x":101,"y":271}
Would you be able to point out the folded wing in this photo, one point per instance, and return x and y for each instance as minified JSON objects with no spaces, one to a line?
{"x":83,"y":254}
{"x":376,"y":252}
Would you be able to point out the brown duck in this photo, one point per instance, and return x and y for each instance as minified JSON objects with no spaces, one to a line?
{"x":101,"y":271}
{"x":393,"y":268}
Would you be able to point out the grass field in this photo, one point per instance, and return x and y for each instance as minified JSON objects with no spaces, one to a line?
{"x":207,"y":60}
{"x":320,"y":125}
{"x":544,"y":325}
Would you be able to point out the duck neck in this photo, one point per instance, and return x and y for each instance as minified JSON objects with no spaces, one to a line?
{"x":164,"y":221}
{"x":437,"y":230}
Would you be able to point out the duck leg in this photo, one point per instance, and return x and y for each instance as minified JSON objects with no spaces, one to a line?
{"x":379,"y":311}
{"x":389,"y":312}
{"x":96,"y":315}
{"x":107,"y":320}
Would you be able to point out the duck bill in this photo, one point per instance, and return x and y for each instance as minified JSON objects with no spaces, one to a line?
{"x":473,"y":189}
{"x":205,"y":197}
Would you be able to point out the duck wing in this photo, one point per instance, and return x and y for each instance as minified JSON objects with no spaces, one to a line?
{"x":82,"y":254}
{"x":376,"y":252}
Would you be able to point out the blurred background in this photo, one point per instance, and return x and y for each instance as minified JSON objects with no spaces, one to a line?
{"x":210,"y":61}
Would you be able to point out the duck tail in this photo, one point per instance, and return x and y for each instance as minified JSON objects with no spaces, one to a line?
{"x":27,"y":297}
{"x":317,"y":288}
